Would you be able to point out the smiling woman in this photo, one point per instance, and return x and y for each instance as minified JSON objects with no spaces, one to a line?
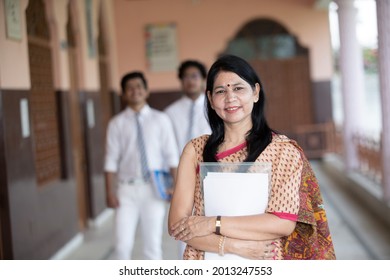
{"x":294,"y":224}
{"x":232,"y":98}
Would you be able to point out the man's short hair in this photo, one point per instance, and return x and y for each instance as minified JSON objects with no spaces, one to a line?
{"x":192,"y":63}
{"x":133,"y":75}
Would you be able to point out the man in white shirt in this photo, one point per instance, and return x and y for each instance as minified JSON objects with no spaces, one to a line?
{"x":139,"y":139}
{"x":188,"y":113}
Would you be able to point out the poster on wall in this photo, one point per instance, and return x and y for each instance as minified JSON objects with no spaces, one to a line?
{"x":161,"y":47}
{"x":12,"y":19}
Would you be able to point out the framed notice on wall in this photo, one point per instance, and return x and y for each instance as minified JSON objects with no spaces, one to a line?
{"x":161,"y":47}
{"x":13,"y":19}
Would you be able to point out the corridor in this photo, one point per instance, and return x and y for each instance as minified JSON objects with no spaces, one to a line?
{"x":357,"y":233}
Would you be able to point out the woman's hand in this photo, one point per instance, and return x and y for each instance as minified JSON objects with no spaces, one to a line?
{"x":193,"y":226}
{"x":249,"y":249}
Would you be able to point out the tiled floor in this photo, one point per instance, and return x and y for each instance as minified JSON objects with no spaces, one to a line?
{"x":356,"y":233}
{"x":351,"y":224}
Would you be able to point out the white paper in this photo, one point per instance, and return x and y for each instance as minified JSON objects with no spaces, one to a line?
{"x":234,"y":194}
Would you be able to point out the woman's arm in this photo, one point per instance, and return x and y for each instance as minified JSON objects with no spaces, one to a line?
{"x":198,"y":231}
{"x":256,"y":227}
{"x":249,"y":249}
{"x":183,"y":194}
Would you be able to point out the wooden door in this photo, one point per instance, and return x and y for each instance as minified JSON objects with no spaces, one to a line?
{"x":287,"y":85}
{"x":1,"y":244}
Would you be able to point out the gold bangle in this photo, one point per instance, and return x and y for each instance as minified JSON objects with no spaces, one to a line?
{"x":221,"y":245}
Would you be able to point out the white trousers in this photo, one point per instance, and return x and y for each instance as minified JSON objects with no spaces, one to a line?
{"x":138,"y":202}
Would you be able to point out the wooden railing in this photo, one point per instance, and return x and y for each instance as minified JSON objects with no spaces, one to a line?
{"x":369,"y":154}
{"x":319,"y":139}
{"x":316,"y":140}
{"x":338,"y":141}
{"x":370,"y":157}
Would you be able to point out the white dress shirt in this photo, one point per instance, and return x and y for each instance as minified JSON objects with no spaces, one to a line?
{"x":122,"y":154}
{"x":179,"y":112}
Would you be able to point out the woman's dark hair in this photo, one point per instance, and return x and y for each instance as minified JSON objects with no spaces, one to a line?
{"x":130,"y":76}
{"x":260,"y":135}
{"x":191,"y":63}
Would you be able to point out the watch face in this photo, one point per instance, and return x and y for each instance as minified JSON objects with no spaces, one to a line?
{"x":218,"y":225}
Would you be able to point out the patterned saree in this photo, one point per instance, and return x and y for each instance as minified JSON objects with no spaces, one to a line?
{"x":311,"y":238}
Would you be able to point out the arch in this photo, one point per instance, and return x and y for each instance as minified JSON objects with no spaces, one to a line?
{"x":283,"y":65}
{"x":265,"y":38}
{"x":37,"y":25}
{"x":261,"y":27}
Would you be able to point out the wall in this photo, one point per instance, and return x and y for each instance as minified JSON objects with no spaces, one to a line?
{"x":205,"y":26}
{"x":37,"y":221}
{"x":14,"y":71}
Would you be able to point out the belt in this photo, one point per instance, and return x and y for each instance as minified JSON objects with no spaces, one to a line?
{"x":134,"y":181}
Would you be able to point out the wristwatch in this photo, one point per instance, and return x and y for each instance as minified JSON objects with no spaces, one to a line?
{"x":218,"y":225}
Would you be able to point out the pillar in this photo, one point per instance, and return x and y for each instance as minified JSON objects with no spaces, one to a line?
{"x":352,"y":79}
{"x":383,"y":19}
